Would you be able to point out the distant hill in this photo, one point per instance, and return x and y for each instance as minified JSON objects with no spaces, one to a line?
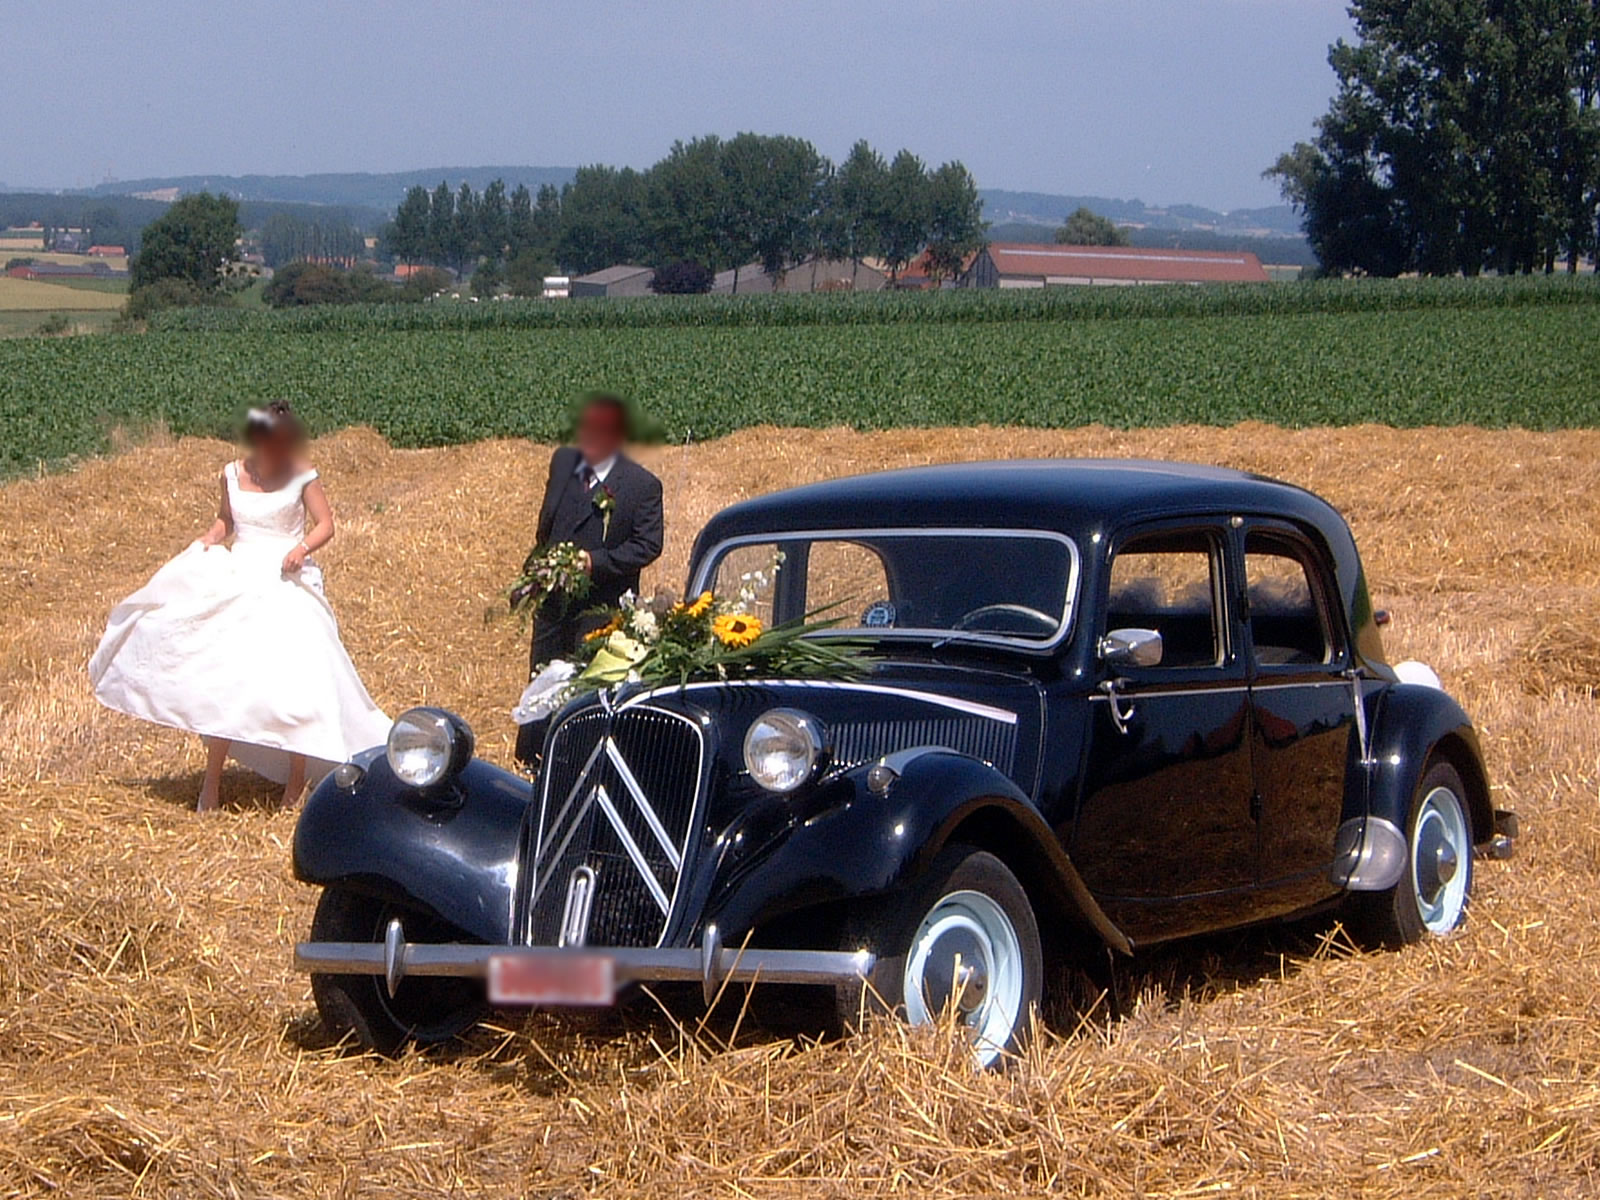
{"x":352,"y":189}
{"x":1041,"y":208}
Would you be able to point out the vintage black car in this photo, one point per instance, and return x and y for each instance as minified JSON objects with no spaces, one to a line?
{"x":1112,"y":703}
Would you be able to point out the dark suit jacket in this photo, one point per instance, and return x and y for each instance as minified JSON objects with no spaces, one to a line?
{"x":620,"y":552}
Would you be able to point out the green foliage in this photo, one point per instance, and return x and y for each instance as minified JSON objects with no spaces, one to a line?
{"x":1464,"y":136}
{"x":525,"y":273}
{"x":682,"y":279}
{"x":486,"y":280}
{"x":1085,"y":227}
{"x":305,"y":283}
{"x":165,"y":295}
{"x":192,"y":241}
{"x":1489,"y":352}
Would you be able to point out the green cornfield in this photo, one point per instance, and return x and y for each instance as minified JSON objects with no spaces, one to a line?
{"x":1490,"y":353}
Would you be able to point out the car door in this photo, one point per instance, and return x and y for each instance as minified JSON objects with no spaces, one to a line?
{"x":1302,"y":710}
{"x":1165,"y":832}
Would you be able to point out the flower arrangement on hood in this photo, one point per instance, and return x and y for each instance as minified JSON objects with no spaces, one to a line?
{"x":661,"y":642}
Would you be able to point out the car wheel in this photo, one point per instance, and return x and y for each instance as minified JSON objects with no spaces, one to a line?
{"x":424,"y":1010}
{"x":1432,"y":895}
{"x":965,"y":934}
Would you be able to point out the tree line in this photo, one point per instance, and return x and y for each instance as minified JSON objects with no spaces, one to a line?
{"x":1464,"y":136}
{"x":710,"y":202}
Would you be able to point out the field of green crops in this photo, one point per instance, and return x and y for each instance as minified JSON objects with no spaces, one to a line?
{"x":1485,"y":353}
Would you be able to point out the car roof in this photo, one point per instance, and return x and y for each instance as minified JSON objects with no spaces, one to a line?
{"x":1071,"y":496}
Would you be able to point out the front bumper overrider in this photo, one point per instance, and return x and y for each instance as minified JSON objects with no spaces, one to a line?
{"x":711,"y":964}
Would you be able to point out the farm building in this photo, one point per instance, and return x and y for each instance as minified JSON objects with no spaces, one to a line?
{"x":1023,"y":265}
{"x":623,"y":280}
{"x":107,"y":251}
{"x":57,"y":270}
{"x":815,"y":274}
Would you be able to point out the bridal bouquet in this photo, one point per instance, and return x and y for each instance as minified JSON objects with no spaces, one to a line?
{"x":549,"y":571}
{"x":656,"y":642}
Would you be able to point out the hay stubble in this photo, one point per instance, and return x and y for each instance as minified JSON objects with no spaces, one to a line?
{"x":154,"y":1042}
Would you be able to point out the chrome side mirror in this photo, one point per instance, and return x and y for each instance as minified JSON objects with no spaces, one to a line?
{"x":1131,"y":648}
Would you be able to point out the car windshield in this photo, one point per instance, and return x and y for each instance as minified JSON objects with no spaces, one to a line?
{"x":1007,"y":585}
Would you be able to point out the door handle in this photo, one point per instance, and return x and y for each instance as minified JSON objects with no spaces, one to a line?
{"x":1121,"y":710}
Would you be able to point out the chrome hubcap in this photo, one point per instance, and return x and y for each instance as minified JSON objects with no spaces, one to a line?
{"x":966,"y":954}
{"x":1439,"y":847}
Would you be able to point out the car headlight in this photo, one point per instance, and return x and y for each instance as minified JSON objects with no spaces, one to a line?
{"x":426,"y":744}
{"x":781,"y":749}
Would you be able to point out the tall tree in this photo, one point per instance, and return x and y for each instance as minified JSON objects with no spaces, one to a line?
{"x":1462,"y":137}
{"x":904,"y":217}
{"x":466,"y":244}
{"x":519,"y":221}
{"x":853,"y":204}
{"x":493,"y":226}
{"x":955,"y":220}
{"x":687,"y":208}
{"x":192,"y":241}
{"x":441,"y":225}
{"x":771,"y":190}
{"x":601,"y":219}
{"x":406,"y":237}
{"x":1085,"y":227}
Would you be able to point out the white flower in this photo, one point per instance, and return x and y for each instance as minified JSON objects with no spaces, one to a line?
{"x":644,"y":625}
{"x":627,"y":600}
{"x":545,"y":693}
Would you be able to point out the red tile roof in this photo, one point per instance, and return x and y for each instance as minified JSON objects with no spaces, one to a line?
{"x":1137,"y":263}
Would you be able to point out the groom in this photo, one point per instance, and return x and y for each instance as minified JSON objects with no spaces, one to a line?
{"x":589,"y":482}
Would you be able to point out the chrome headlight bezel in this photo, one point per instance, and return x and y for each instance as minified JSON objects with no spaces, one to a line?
{"x":782,"y":748}
{"x":426,"y":746}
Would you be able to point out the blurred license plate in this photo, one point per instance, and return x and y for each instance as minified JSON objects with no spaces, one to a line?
{"x":554,"y":979}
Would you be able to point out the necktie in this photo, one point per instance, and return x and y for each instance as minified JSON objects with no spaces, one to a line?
{"x":589,"y":477}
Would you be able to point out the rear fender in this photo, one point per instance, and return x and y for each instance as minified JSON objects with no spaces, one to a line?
{"x":849,"y":843}
{"x":451,"y":851}
{"x":1411,"y":725}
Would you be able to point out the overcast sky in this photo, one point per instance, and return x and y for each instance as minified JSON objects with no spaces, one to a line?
{"x":1164,"y":100}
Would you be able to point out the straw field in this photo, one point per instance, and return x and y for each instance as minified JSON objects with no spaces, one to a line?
{"x":154,"y":1041}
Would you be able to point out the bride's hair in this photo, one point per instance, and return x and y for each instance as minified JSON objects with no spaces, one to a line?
{"x":275,"y":419}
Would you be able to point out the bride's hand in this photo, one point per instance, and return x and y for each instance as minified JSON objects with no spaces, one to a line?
{"x":295,"y":559}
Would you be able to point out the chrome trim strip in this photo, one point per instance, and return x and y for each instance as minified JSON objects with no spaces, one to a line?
{"x":1069,"y":609}
{"x":572,"y":829}
{"x":625,"y":773}
{"x":970,"y":707}
{"x":640,"y":863}
{"x":1153,"y":689}
{"x":566,"y":806}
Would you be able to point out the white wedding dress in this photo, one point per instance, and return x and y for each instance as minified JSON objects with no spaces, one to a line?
{"x":223,"y":643}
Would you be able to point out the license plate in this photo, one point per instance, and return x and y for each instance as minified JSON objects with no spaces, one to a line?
{"x":552,"y":979}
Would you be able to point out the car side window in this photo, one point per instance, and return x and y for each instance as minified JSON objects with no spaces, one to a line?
{"x":850,"y":582}
{"x":1168,"y":583}
{"x":1288,"y":619}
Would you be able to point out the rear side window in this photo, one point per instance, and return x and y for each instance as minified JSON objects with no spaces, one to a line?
{"x":1288,"y":618}
{"x":1168,"y":583}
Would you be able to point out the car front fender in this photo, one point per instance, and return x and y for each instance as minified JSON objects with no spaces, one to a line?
{"x":849,"y":842}
{"x":451,"y":851}
{"x":1411,"y":724}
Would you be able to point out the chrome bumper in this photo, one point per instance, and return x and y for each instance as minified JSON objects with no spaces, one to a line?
{"x":711,"y":965}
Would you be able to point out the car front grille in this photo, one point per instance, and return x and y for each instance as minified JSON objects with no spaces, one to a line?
{"x":617,"y":809}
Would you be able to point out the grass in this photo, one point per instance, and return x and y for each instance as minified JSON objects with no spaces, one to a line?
{"x":1527,"y":366}
{"x":26,"y":323}
{"x":154,"y":1040}
{"x":32,"y":295}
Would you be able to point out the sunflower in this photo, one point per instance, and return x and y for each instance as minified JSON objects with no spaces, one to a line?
{"x":735,"y":630}
{"x":701,"y":606}
{"x":605,"y":630}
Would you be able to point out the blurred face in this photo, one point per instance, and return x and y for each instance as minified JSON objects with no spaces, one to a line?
{"x":600,"y":432}
{"x":274,"y":452}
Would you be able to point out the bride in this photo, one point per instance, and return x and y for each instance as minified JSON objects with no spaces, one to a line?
{"x":238,"y":644}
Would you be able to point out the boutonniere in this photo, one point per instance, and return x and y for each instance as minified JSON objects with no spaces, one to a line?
{"x":605,"y":503}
